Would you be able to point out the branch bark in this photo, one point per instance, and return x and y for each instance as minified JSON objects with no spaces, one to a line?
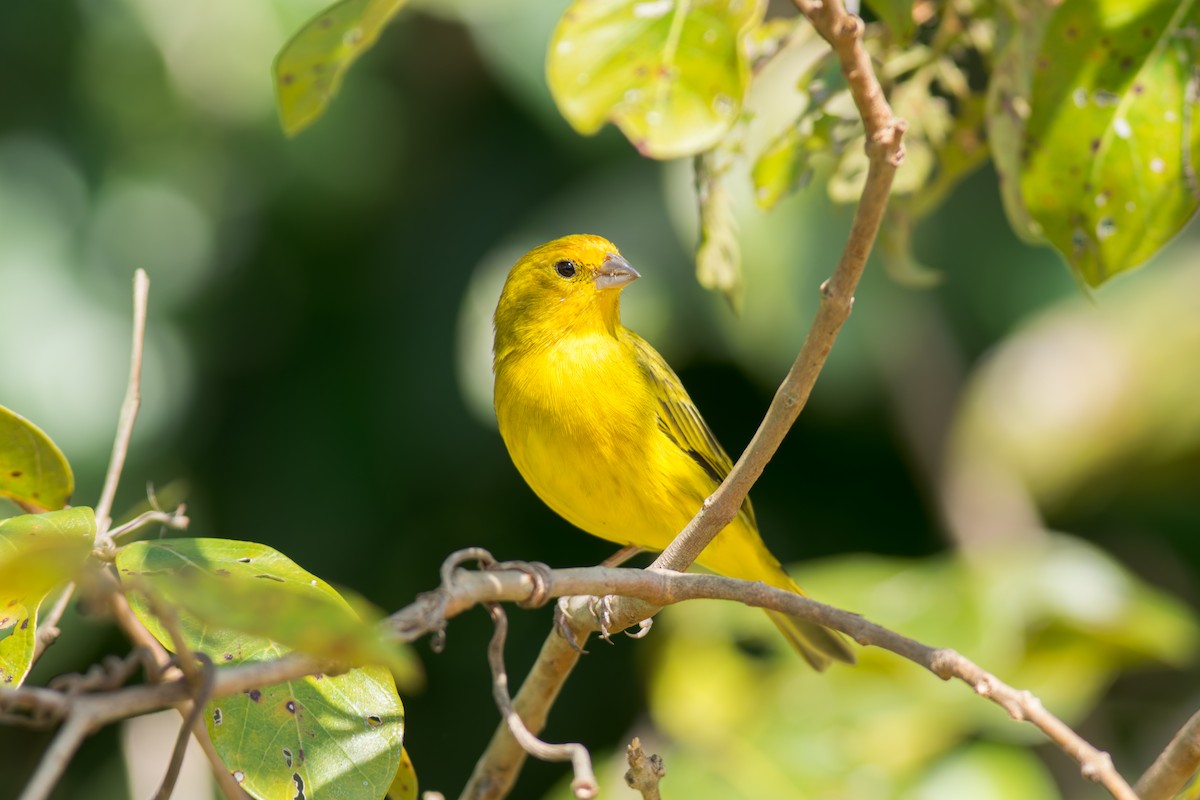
{"x":1175,"y":765}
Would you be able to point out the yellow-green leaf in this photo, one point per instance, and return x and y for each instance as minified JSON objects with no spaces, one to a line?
{"x":17,"y":643}
{"x":37,"y":553}
{"x":404,"y":785}
{"x":671,"y":74}
{"x":33,"y":471}
{"x":1102,"y":137}
{"x":310,"y":67}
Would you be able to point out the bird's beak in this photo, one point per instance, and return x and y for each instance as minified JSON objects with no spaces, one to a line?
{"x":615,"y":272}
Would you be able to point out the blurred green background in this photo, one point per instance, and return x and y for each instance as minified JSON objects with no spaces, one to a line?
{"x":318,"y":379}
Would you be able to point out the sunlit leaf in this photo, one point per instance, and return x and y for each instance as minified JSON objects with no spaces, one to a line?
{"x":322,"y":735}
{"x":791,"y":125}
{"x":17,"y":642}
{"x":37,"y":553}
{"x":670,"y":74}
{"x":254,"y":589}
{"x":33,"y":470}
{"x":319,"y":736}
{"x":1097,"y":122}
{"x":309,"y":69}
{"x":404,"y":785}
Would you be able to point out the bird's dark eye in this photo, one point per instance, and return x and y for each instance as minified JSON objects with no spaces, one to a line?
{"x":565,"y":269}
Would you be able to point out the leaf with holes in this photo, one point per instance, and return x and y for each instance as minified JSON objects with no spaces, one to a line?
{"x":1103,"y":138}
{"x":670,"y":74}
{"x":256,"y":590}
{"x":310,"y":67}
{"x":321,"y":735}
{"x":37,"y":553}
{"x":33,"y":471}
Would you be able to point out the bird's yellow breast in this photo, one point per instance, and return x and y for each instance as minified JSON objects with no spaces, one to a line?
{"x":578,"y":420}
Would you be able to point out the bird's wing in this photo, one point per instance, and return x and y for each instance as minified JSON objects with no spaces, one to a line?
{"x":680,"y":420}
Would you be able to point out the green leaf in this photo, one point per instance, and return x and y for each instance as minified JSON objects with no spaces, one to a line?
{"x":33,"y":471}
{"x":309,"y":69}
{"x":37,"y":553}
{"x":17,"y":643}
{"x":1099,"y":127}
{"x":671,"y":74}
{"x":897,"y":16}
{"x":322,"y":735}
{"x":253,"y":589}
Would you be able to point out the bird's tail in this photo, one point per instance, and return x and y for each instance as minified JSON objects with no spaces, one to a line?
{"x":817,"y":645}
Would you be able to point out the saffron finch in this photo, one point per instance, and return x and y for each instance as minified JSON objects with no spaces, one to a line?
{"x":602,"y":429}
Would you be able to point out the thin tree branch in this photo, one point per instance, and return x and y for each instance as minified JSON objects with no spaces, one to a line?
{"x":645,"y":771}
{"x":584,"y":785}
{"x":660,"y":588}
{"x":56,"y":758}
{"x":221,"y":774}
{"x":202,"y":683}
{"x":1174,"y":766}
{"x":430,"y":611}
{"x":129,"y":409}
{"x":176,"y":519}
{"x":47,"y":632}
{"x":885,"y":151}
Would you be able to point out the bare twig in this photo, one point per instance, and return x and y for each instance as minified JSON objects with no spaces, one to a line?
{"x":47,"y":632}
{"x":584,"y":785}
{"x":645,"y":771}
{"x":1175,"y":765}
{"x":202,"y":683}
{"x":129,"y":409}
{"x":221,"y":774}
{"x":175,"y":519}
{"x":56,"y":758}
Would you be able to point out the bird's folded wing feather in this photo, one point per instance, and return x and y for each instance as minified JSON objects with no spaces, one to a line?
{"x":680,"y":420}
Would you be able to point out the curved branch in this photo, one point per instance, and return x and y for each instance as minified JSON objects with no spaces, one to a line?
{"x":1175,"y":765}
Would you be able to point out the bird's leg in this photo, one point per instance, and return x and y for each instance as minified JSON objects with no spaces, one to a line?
{"x":562,"y":623}
{"x":621,"y":556}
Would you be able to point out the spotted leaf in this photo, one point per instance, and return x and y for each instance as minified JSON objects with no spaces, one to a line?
{"x":310,"y":67}
{"x":33,"y":471}
{"x":318,"y":736}
{"x":1093,"y":129}
{"x":670,"y":74}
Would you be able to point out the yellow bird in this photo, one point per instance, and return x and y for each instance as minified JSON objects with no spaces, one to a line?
{"x":602,"y":429}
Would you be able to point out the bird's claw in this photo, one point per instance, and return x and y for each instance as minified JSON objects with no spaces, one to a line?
{"x":643,"y":628}
{"x":562,"y":623}
{"x":602,"y":608}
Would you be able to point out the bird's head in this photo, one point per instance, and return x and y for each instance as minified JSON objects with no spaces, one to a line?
{"x":570,"y":284}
